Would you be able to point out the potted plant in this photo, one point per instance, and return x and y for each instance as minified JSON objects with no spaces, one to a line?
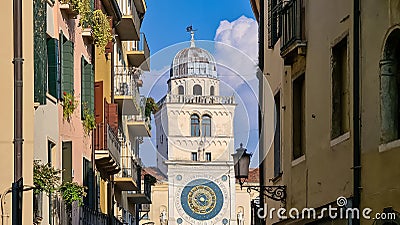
{"x":88,"y":121}
{"x":69,"y":106}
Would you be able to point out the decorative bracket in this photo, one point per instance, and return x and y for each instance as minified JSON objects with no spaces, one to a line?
{"x":276,"y":193}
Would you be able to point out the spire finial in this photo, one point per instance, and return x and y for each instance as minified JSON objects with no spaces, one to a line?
{"x":191,"y":30}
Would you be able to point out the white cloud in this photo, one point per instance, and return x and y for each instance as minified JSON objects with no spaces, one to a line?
{"x":241,"y":34}
{"x":236,"y":51}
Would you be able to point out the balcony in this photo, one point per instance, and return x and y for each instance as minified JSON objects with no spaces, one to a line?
{"x":139,"y":125}
{"x":138,"y":53}
{"x":129,"y":27}
{"x":145,"y":196}
{"x":197,"y":99}
{"x":67,"y":8}
{"x":126,"y":179}
{"x":107,"y":149}
{"x":126,"y":92}
{"x":141,"y":6}
{"x":293,"y":36}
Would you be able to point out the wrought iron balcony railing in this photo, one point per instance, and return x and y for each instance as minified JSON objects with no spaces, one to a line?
{"x":292,"y":24}
{"x":107,"y":138}
{"x":128,"y":8}
{"x":125,"y":82}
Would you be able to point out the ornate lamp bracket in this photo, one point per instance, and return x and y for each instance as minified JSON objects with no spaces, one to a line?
{"x":276,"y":193}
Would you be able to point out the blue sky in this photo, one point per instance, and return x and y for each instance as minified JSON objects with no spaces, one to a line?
{"x":165,"y":22}
{"x":230,"y":22}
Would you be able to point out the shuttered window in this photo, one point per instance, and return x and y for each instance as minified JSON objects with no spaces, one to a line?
{"x":67,"y":67}
{"x":87,"y":86}
{"x":52,"y":68}
{"x":39,"y":55}
{"x":88,"y":181}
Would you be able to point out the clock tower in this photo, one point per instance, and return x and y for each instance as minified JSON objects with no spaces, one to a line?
{"x":194,"y":128}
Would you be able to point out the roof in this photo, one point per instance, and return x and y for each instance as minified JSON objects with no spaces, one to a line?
{"x":193,"y":61}
{"x":253,"y":176}
{"x":155,"y":172}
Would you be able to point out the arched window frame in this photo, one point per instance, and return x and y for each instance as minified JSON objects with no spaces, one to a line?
{"x":194,"y":125}
{"x":206,"y":125}
{"x":197,"y":91}
{"x":212,"y":91}
{"x":181,"y":90}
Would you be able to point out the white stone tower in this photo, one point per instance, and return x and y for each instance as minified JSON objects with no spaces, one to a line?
{"x":195,"y":142}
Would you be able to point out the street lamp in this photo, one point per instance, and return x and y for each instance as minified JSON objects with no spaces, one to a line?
{"x":241,"y":161}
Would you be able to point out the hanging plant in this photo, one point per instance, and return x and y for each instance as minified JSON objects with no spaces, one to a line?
{"x":101,"y":30}
{"x":82,"y":7}
{"x":88,"y":121}
{"x":70,"y":104}
{"x":151,"y":107}
{"x":72,"y":191}
{"x":45,"y":178}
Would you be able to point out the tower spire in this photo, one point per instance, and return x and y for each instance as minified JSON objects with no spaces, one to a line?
{"x":192,"y":45}
{"x":191,"y":30}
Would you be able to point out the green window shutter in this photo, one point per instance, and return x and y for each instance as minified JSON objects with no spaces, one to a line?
{"x":52,"y":66}
{"x":87,"y":86}
{"x":83,"y":87}
{"x":89,"y":72}
{"x":67,"y":79}
{"x":40,"y":68}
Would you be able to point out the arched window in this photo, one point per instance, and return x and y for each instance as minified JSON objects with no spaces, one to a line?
{"x":389,"y":88}
{"x":206,"y":126}
{"x":212,"y":90}
{"x":181,"y":91}
{"x":195,"y":125}
{"x":197,"y":90}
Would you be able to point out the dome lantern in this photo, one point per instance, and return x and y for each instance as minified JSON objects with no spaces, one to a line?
{"x":193,"y":62}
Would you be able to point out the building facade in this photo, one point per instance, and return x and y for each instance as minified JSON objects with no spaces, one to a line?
{"x":7,"y":116}
{"x":313,"y":63}
{"x":78,"y":79}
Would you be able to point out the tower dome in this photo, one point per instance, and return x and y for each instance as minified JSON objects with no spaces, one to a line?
{"x":193,"y":62}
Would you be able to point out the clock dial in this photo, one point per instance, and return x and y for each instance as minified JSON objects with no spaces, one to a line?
{"x":202,"y":199}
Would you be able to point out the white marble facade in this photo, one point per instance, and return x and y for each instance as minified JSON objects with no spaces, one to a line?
{"x":194,"y":128}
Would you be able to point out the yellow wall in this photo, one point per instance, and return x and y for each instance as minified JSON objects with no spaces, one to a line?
{"x":6,"y":118}
{"x":103,"y":72}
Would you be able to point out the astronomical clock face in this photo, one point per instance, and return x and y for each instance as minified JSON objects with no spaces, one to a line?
{"x":201,"y":199}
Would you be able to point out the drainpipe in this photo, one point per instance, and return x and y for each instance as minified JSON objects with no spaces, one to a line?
{"x":261,"y":94}
{"x":17,"y":185}
{"x":356,"y":111}
{"x":112,"y":67}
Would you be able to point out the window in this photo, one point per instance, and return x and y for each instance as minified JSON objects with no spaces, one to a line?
{"x":298,"y":108}
{"x":197,"y":90}
{"x":340,"y":90}
{"x":277,"y":136}
{"x":88,"y":181}
{"x":67,"y":161}
{"x":206,"y":126}
{"x":181,"y":90}
{"x":194,"y":156}
{"x":212,"y":91}
{"x":52,"y":68}
{"x":87,"y":87}
{"x":195,"y":125}
{"x":390,"y":86}
{"x":274,"y":22}
{"x":39,"y":55}
{"x":208,"y":156}
{"x":67,"y":65}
